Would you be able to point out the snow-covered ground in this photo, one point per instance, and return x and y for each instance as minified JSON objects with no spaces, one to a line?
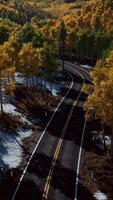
{"x":107,"y":140}
{"x":9,"y":108}
{"x":11,"y":148}
{"x":86,"y":66}
{"x":99,"y":139}
{"x":55,"y":88}
{"x":11,"y":144}
{"x":100,"y":196}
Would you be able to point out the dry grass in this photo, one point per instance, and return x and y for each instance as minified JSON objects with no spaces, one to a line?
{"x":102,"y":178}
{"x":10,"y":123}
{"x":97,"y":170}
{"x":33,"y":101}
{"x":63,"y":8}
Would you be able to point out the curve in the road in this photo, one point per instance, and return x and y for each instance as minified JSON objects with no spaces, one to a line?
{"x":80,"y":68}
{"x":82,"y":139}
{"x":40,"y":139}
{"x":80,"y":72}
{"x":58,"y":148}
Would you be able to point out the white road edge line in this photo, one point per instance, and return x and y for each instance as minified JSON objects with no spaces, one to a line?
{"x":69,"y":117}
{"x":78,"y":67}
{"x":43,"y":133}
{"x":80,"y":149}
{"x":79,"y":160}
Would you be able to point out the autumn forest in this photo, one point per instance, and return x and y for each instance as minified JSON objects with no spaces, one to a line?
{"x":34,"y":35}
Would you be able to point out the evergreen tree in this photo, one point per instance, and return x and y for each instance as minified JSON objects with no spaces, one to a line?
{"x":26,"y":34}
{"x":3,"y":34}
{"x":62,"y":38}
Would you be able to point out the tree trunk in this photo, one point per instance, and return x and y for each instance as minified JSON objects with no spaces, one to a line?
{"x":33,"y":81}
{"x":63,"y":64}
{"x":51,"y":86}
{"x":45,"y":83}
{"x":1,"y":97}
{"x":37,"y":80}
{"x":27,"y":82}
{"x":41,"y":82}
{"x":68,"y":53}
{"x":103,"y":135}
{"x":105,"y":148}
{"x":1,"y":102}
{"x":112,"y":145}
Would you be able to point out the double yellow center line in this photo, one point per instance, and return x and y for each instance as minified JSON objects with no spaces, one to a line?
{"x":48,"y":181}
{"x":58,"y":148}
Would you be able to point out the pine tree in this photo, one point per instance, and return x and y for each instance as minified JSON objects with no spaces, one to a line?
{"x":62,"y":39}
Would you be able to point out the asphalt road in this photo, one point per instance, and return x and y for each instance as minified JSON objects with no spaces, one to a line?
{"x":51,"y":173}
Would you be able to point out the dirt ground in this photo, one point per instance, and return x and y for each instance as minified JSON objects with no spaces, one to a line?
{"x":97,"y":171}
{"x":37,"y":105}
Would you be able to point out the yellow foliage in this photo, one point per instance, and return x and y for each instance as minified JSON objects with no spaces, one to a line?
{"x":102,"y":98}
{"x":96,"y":14}
{"x":6,"y":55}
{"x":61,"y":8}
{"x":29,"y":59}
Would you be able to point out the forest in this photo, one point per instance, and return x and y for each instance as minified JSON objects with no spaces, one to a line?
{"x":34,"y":34}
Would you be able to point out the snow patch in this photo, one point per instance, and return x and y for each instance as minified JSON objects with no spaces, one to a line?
{"x":108,"y":140}
{"x":100,"y":195}
{"x":11,"y":144}
{"x":11,"y":148}
{"x":100,"y":140}
{"x":9,"y":108}
{"x":86,"y":66}
{"x":40,"y":82}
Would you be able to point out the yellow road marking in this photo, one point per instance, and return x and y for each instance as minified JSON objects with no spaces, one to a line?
{"x":48,"y":180}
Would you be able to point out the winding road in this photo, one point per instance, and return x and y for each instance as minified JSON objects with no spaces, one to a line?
{"x":54,"y":168}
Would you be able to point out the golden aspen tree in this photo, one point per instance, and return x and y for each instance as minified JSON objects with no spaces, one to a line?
{"x":29,"y":60}
{"x":101,"y":100}
{"x":6,"y":62}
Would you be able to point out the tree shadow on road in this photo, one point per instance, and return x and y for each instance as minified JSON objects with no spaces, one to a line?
{"x":63,"y":181}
